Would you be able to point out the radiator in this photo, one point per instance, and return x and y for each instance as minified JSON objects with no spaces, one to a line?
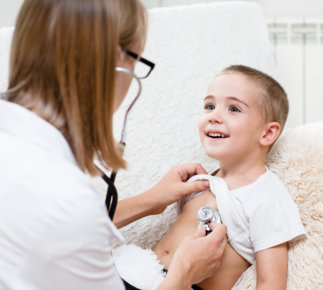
{"x":298,"y":51}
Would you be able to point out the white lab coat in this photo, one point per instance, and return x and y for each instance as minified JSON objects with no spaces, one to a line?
{"x":54,"y":229}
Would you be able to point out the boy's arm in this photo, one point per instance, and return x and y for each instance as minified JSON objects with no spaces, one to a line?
{"x":271,"y":267}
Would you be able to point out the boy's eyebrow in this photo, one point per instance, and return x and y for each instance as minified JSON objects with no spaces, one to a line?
{"x":230,"y":98}
{"x":209,"y":97}
{"x":238,"y":100}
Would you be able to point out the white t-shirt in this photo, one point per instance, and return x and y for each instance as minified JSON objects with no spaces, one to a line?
{"x":258,"y":216}
{"x":54,"y":229}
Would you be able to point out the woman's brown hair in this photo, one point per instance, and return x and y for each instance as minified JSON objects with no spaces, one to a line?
{"x":133,"y":24}
{"x":62,"y":67}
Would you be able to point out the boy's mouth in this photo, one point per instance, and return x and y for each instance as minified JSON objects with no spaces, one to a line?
{"x":216,"y":134}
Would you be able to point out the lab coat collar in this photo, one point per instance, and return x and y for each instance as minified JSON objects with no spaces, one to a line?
{"x":24,"y":124}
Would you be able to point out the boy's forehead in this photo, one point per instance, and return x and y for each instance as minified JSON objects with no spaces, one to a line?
{"x":233,"y":78}
{"x":234,"y":85}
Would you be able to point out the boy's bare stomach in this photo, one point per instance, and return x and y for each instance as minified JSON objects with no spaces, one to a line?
{"x":232,"y":264}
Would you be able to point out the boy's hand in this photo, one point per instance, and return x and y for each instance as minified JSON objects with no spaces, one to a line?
{"x":197,"y":257}
{"x":173,"y":185}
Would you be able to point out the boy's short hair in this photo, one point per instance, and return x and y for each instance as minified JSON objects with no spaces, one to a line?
{"x":274,"y":103}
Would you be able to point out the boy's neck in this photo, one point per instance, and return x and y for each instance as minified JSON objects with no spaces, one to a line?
{"x":242,"y":173}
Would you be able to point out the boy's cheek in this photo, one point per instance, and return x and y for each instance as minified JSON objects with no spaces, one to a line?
{"x":202,"y":122}
{"x":201,"y":131}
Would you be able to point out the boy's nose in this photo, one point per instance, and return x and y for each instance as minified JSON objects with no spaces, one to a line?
{"x":215,"y":116}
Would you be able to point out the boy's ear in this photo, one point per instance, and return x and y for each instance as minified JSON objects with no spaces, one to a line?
{"x":270,"y":133}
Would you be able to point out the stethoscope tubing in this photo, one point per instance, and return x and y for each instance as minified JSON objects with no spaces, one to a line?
{"x":111,"y":200}
{"x":129,"y":72}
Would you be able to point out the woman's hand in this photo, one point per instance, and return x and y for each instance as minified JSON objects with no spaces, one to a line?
{"x":196,"y":259}
{"x":168,"y":190}
{"x":173,"y":185}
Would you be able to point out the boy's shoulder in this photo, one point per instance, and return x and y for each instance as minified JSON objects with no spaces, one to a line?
{"x":267,"y":187}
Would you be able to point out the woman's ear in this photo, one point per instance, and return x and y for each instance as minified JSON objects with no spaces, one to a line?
{"x":120,"y":56}
{"x":270,"y":133}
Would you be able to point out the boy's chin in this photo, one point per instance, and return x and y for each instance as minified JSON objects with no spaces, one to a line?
{"x":219,"y":155}
{"x":214,"y":155}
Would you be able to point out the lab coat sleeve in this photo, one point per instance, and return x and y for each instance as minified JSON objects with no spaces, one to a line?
{"x":74,"y":250}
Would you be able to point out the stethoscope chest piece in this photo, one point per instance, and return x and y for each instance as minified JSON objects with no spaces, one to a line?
{"x":206,"y":215}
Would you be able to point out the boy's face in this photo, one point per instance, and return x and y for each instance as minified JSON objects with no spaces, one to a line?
{"x":231,"y":124}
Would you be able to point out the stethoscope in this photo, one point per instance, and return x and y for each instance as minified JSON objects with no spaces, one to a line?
{"x":112,"y":193}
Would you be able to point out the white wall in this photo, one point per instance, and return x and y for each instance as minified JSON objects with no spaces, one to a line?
{"x":292,"y":7}
{"x":9,"y":8}
{"x":276,"y":7}
{"x":8,"y":11}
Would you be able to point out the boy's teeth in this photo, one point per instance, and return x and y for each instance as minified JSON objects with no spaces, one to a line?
{"x":216,"y":135}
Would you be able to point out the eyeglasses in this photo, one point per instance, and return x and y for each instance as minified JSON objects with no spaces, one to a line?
{"x":143,"y":67}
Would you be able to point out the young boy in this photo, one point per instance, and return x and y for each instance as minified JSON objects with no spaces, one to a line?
{"x":244,"y":113}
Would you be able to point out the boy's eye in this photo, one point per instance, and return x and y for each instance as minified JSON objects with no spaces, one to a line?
{"x":209,"y":107}
{"x":234,"y":109}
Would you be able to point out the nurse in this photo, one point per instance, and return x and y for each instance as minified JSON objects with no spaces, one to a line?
{"x":55,"y":119}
